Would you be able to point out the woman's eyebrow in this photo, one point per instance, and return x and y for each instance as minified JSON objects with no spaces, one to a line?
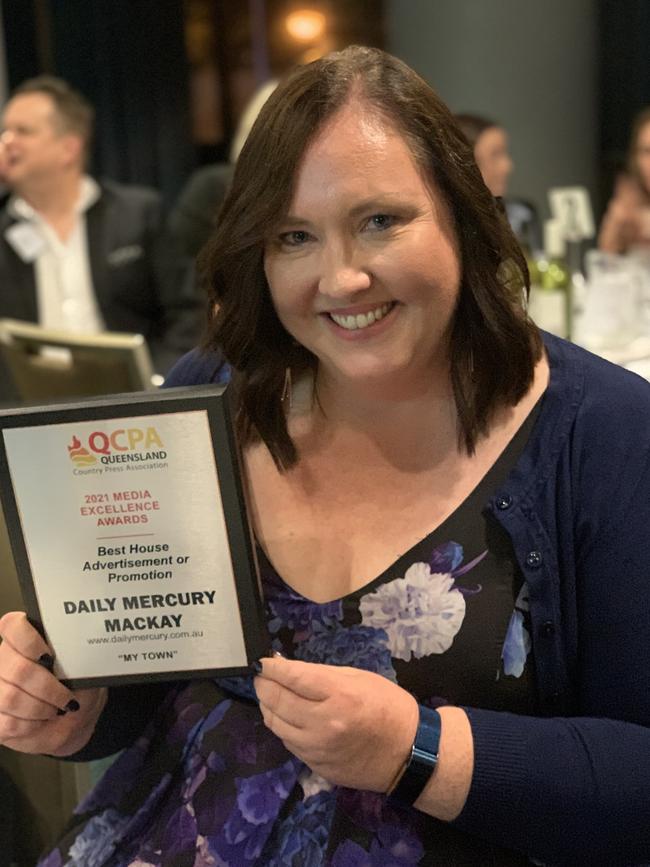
{"x":379,"y":202}
{"x":383,"y":201}
{"x":292,"y":220}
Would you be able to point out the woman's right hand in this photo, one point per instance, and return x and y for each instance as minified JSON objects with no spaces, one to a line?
{"x":620,"y":226}
{"x":37,"y":713}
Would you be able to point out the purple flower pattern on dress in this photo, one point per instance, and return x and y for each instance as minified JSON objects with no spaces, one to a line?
{"x":98,"y":840}
{"x":393,"y":846}
{"x":180,"y":831}
{"x":446,"y":558}
{"x":517,"y":644}
{"x":208,"y":785}
{"x":258,"y":803}
{"x":299,"y":614}
{"x":312,"y":783}
{"x":358,"y":646}
{"x":259,"y":798}
{"x":301,"y":838}
{"x":422,"y":612}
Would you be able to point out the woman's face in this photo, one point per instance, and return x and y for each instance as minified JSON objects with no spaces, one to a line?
{"x":364,"y":270}
{"x":642,"y":155}
{"x":493,"y":159}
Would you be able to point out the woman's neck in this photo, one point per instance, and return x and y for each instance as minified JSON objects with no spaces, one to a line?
{"x":369,"y":399}
{"x":409,"y":431}
{"x":404,"y":426}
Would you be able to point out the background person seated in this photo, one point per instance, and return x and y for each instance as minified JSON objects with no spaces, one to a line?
{"x":626,"y":223}
{"x":193,"y":218}
{"x":75,"y":254}
{"x":489,"y":141}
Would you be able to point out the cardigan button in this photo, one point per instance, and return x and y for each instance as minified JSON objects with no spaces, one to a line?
{"x":534,"y":559}
{"x":504,"y":502}
{"x":547,"y":628}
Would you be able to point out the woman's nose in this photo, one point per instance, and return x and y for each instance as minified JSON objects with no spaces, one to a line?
{"x":342,"y":275}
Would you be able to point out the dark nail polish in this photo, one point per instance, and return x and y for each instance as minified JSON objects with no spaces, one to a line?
{"x":61,"y":712}
{"x":72,"y":705}
{"x":256,"y":666}
{"x":47,"y":661}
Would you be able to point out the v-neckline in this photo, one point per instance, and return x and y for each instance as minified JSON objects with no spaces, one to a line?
{"x":489,"y":483}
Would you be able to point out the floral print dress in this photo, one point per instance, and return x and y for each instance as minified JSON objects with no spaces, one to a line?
{"x":207,"y":785}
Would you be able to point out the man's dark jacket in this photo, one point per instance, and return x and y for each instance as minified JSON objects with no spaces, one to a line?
{"x":123,"y":228}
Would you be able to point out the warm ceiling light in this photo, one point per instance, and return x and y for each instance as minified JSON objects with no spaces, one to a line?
{"x":305,"y":25}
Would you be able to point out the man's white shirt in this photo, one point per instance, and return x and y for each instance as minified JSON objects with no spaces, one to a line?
{"x":64,"y":289}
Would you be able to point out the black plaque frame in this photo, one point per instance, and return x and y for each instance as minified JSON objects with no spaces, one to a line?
{"x":212,"y":399}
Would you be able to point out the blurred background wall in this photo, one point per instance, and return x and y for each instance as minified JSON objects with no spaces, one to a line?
{"x":530,"y":66}
{"x":170,"y":78}
{"x":3,"y":66}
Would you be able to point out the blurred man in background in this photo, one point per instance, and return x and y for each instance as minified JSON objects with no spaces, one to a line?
{"x":75,"y":254}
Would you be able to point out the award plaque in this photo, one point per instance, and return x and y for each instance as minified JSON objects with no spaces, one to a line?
{"x":129,"y":530}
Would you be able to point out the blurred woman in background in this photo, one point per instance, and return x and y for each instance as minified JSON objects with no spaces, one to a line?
{"x":489,"y":142}
{"x":626,"y":223}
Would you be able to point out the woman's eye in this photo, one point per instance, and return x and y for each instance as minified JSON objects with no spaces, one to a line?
{"x":379,"y":222}
{"x":294,"y":239}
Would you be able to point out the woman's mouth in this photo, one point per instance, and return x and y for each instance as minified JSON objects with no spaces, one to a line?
{"x":362,"y":320}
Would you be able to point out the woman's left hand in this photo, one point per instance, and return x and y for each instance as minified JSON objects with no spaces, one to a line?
{"x":352,"y":727}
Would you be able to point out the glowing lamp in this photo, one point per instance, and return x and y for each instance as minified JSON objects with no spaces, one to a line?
{"x":305,"y":25}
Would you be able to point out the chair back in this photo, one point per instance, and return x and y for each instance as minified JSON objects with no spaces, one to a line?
{"x":45,"y":364}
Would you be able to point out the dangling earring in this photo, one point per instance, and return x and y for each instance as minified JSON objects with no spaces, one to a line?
{"x":287,"y":388}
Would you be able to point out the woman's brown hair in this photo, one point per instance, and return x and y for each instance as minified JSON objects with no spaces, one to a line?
{"x":493,"y":344}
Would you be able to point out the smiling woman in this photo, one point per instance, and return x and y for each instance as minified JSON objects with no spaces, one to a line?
{"x":369,"y":289}
{"x":436,"y":509}
{"x":398,"y":169}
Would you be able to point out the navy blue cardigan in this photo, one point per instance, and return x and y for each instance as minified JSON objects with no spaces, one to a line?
{"x":573,"y":785}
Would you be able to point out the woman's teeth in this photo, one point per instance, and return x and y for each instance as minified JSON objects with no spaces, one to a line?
{"x":362,"y":320}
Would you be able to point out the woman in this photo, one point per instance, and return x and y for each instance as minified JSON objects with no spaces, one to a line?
{"x":490,"y":144}
{"x":453,"y":580}
{"x":626,"y":223}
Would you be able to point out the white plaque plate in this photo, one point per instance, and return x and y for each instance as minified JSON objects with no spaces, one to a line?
{"x":130,"y":534}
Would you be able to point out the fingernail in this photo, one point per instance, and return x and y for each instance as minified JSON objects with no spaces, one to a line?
{"x":47,"y":661}
{"x":61,"y":712}
{"x":72,"y":705}
{"x":278,"y":654}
